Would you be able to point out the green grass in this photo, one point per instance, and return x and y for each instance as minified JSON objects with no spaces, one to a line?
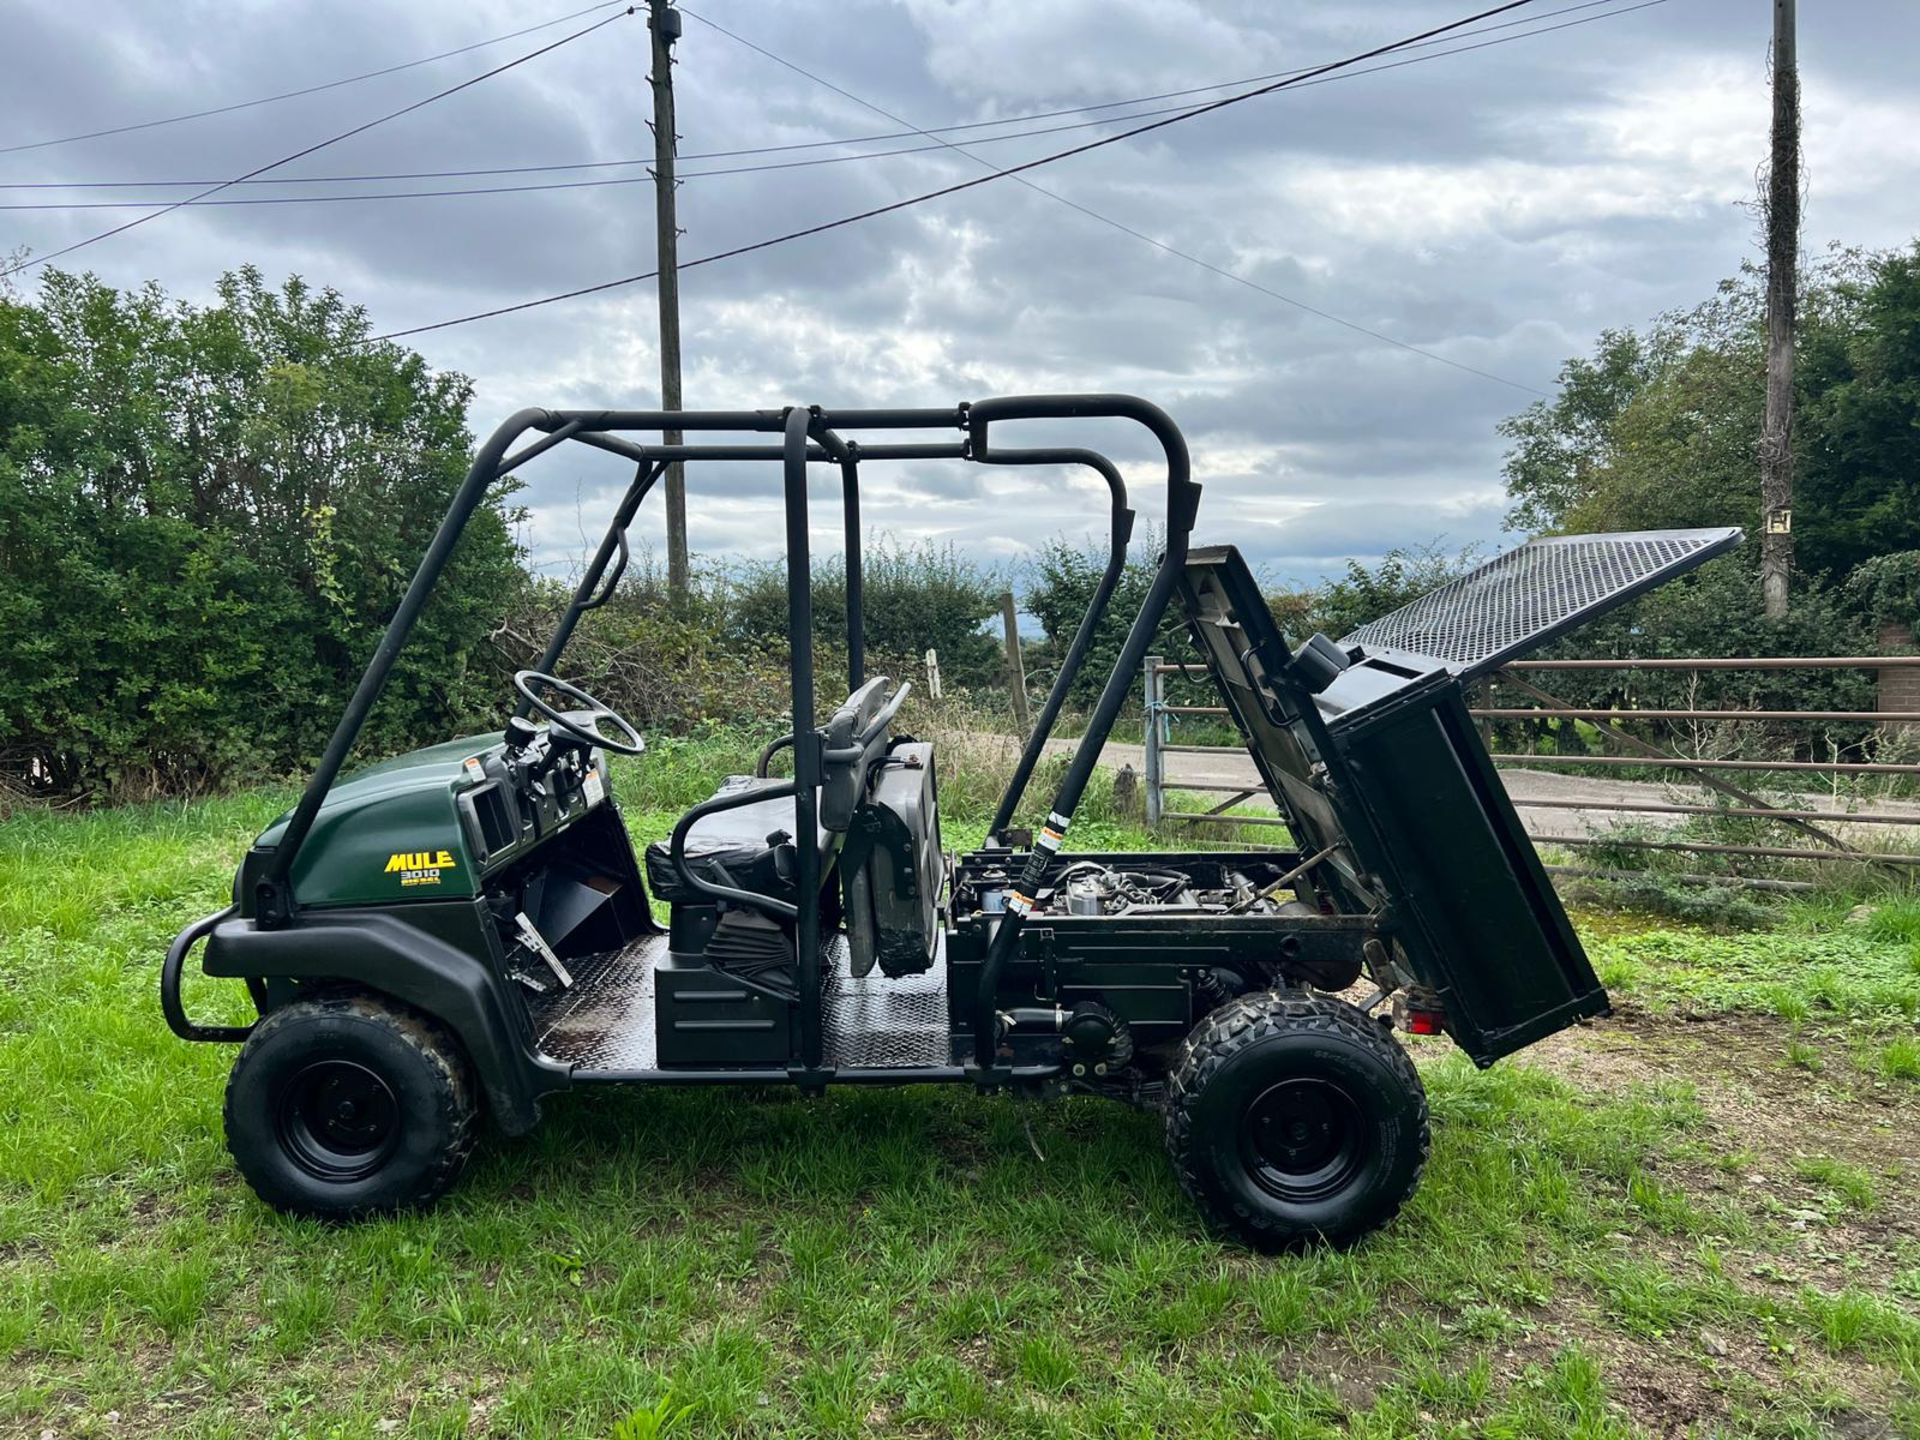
{"x":1896,"y":920}
{"x":1849,"y":1185}
{"x":1899,"y":1058}
{"x":1797,"y":971}
{"x":693,"y":1263}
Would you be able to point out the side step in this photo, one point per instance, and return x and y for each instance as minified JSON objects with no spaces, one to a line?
{"x":708,"y":1018}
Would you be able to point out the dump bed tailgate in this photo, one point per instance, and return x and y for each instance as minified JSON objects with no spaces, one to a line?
{"x":1519,"y":601}
{"x":1480,"y":923}
{"x":1376,"y":764}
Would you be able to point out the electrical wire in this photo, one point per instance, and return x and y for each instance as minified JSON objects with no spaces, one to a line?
{"x":319,"y":145}
{"x":601,"y":164}
{"x":1300,"y":70}
{"x":1164,"y":246}
{"x":876,"y":211}
{"x":750,"y":151}
{"x":307,"y":90}
{"x":934,"y":134}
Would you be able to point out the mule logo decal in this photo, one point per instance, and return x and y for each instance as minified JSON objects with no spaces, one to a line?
{"x":420,"y":867}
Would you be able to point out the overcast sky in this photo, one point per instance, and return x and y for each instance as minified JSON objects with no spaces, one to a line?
{"x":1497,"y":208}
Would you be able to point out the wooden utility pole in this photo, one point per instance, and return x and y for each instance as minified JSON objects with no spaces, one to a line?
{"x":1783,"y":245}
{"x":1016,"y":667}
{"x":664,"y":21}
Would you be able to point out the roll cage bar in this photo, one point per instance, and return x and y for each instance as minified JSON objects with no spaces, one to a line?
{"x":808,"y":435}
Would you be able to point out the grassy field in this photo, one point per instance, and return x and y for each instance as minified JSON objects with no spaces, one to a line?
{"x":1699,"y":1216}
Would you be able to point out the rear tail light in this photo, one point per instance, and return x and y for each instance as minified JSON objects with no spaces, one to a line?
{"x":1419,"y":1012}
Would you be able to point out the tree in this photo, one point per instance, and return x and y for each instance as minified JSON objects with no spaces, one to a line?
{"x":1858,"y":458}
{"x":1059,"y":589}
{"x":207,"y":515}
{"x":1655,"y":430}
{"x":1659,"y":429}
{"x":1562,"y":448}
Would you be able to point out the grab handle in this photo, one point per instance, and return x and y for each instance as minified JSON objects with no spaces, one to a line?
{"x":677,"y":850}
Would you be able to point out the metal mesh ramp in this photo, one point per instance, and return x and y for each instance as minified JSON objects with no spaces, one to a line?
{"x":1523,"y":599}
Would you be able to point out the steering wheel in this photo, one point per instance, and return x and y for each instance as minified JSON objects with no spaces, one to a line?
{"x":530,"y":682}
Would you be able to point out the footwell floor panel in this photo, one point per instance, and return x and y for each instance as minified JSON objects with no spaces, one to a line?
{"x":606,"y":1020}
{"x":879,"y":1022}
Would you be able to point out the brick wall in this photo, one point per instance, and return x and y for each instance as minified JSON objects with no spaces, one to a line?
{"x":1900,"y":688}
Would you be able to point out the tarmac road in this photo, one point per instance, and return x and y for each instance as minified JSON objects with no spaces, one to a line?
{"x":1235,"y":768}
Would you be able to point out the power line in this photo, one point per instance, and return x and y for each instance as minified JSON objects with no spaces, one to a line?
{"x":589,"y":165}
{"x":1162,"y":245}
{"x":310,"y":89}
{"x":878,"y":210}
{"x":749,"y":151}
{"x":933,"y":133}
{"x":1301,"y":70}
{"x":320,"y":145}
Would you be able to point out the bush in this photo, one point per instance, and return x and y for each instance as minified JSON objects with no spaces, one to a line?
{"x":663,"y":666}
{"x":917,"y":597}
{"x":720,"y":654}
{"x":1887,"y":589}
{"x":1364,"y":594}
{"x":1060,"y":588}
{"x":207,"y":516}
{"x":1714,"y":907}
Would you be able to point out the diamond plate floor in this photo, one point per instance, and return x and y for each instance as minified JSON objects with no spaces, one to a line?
{"x":882,"y":1023}
{"x":607,"y":1021}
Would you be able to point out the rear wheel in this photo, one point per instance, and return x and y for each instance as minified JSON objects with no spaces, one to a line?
{"x":1293,"y":1118}
{"x":348,"y":1105}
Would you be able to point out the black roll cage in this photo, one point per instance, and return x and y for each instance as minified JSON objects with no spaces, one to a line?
{"x":808,"y":435}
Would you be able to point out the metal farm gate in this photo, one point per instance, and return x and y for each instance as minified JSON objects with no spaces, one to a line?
{"x":1819,"y":828}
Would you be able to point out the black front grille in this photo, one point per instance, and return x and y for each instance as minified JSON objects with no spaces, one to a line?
{"x":1528,"y":596}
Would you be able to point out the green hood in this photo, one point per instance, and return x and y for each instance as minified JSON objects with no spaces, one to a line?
{"x":388,"y":831}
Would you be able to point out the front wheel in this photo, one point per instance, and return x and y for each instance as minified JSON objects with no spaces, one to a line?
{"x":1293,"y":1118}
{"x":347,"y":1105}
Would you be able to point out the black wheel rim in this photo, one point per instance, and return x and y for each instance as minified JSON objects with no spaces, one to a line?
{"x":338,"y":1120}
{"x":1301,"y":1140}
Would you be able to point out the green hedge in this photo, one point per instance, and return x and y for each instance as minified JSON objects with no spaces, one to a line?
{"x":207,"y":513}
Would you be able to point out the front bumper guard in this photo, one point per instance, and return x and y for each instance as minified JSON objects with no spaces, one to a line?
{"x":170,"y":972}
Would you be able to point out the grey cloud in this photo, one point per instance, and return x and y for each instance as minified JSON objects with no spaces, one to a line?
{"x":1498,"y":208}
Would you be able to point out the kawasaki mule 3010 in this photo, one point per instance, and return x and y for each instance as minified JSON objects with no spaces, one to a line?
{"x":467,"y":929}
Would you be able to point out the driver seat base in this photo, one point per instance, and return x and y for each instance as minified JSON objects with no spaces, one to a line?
{"x":748,"y":848}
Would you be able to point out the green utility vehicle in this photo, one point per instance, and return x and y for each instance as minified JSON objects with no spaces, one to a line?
{"x":467,"y":930}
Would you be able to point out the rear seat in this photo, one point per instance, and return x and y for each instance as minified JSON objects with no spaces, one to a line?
{"x":741,"y":848}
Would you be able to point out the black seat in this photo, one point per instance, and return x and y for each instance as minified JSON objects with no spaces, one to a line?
{"x":854,"y":744}
{"x":742,"y":848}
{"x":749,"y":847}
